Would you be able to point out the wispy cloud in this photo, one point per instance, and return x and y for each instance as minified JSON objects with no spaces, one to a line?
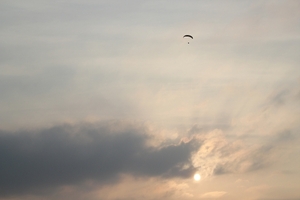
{"x":214,"y":195}
{"x":220,"y":154}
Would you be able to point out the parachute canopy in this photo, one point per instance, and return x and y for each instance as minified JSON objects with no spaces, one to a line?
{"x":188,"y":36}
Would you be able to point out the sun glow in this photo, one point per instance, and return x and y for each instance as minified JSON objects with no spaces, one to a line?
{"x":197,"y":177}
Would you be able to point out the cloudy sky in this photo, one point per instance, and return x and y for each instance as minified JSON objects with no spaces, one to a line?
{"x":105,"y":100}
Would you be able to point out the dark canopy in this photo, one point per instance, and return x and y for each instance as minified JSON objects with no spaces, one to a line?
{"x":188,"y":36}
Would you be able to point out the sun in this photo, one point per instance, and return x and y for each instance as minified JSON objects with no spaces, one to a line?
{"x":197,"y":177}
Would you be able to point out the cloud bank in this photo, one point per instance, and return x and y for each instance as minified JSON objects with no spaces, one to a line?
{"x":68,"y":155}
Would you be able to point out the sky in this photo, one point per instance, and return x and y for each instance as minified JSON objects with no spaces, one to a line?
{"x":105,"y":100}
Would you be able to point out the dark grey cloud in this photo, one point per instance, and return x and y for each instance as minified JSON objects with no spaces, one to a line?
{"x":32,"y":161}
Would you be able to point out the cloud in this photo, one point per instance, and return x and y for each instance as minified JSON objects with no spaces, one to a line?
{"x":246,"y":159}
{"x":215,"y":194}
{"x":261,"y":139}
{"x":280,"y":199}
{"x":259,"y":188}
{"x":279,"y":97}
{"x":221,"y":153}
{"x":72,"y":154}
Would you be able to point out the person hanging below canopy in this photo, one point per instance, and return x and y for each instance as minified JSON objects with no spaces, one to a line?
{"x":188,"y":36}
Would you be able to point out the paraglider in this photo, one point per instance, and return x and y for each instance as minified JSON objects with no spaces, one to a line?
{"x":188,"y":36}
